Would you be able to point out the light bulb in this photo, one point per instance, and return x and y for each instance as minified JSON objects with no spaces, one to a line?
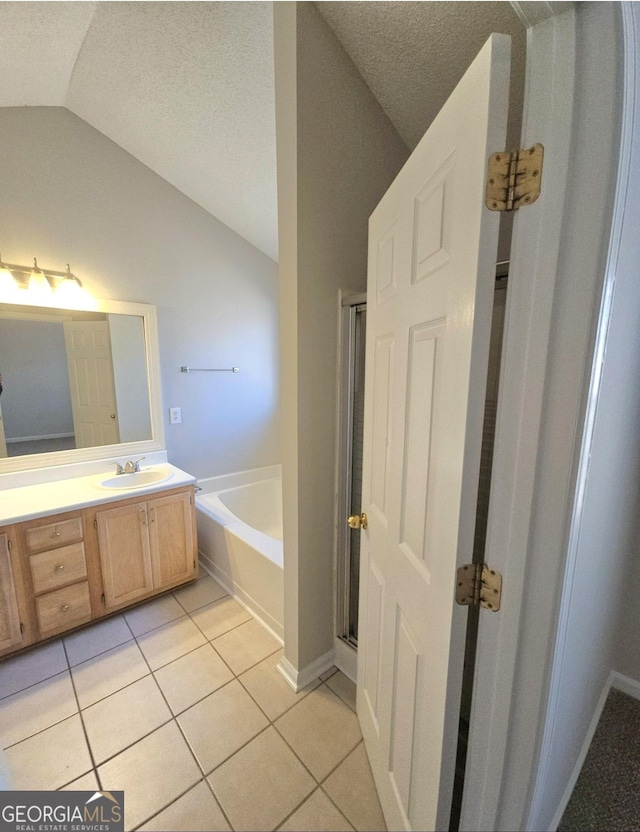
{"x":69,"y":292}
{"x":8,"y":286}
{"x":39,"y":287}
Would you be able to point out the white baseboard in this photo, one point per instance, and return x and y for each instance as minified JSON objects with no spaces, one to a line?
{"x":614,"y":680}
{"x":346,"y":659}
{"x":244,"y":599}
{"x":38,"y":438}
{"x":625,"y":684}
{"x":299,"y":679}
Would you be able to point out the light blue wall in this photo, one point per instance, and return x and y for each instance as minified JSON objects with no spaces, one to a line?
{"x":69,"y":194}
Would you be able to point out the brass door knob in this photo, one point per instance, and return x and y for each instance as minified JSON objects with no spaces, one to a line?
{"x":357,"y":521}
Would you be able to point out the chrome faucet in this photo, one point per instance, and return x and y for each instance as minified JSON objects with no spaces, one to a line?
{"x":133,"y":466}
{"x":119,"y":468}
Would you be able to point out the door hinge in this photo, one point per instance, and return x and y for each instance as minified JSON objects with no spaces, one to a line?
{"x":9,"y":545}
{"x":21,"y":627}
{"x":95,"y":522}
{"x":513,"y":178}
{"x":479,"y":585}
{"x":103,"y":599}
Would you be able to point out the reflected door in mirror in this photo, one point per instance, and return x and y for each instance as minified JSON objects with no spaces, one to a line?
{"x":91,"y":383}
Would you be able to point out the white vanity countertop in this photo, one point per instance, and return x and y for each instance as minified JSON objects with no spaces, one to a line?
{"x":31,"y":501}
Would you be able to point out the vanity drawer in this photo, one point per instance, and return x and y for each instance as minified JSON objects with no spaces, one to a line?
{"x":53,"y":534}
{"x":63,"y":609}
{"x":58,"y":567}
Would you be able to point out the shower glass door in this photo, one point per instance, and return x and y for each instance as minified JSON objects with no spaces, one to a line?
{"x":351,"y":473}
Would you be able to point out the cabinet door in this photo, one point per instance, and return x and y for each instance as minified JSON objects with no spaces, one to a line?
{"x":172,"y":539}
{"x":10,"y":630}
{"x":124,"y":554}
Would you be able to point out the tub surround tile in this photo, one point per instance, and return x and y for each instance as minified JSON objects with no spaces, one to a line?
{"x":219,"y":725}
{"x":321,"y":729}
{"x":203,"y":591}
{"x":152,"y":773}
{"x":49,"y":759}
{"x":36,"y":708}
{"x":86,"y":783}
{"x":196,"y":811}
{"x":269,"y":689}
{"x":169,"y":642}
{"x":261,"y":784}
{"x":20,"y":672}
{"x":245,"y":646}
{"x":317,"y":814}
{"x":125,"y":717}
{"x":352,"y":789}
{"x":109,"y":672}
{"x":343,"y":687}
{"x":192,"y":677}
{"x":153,"y":614}
{"x":218,"y":618}
{"x":96,"y":639}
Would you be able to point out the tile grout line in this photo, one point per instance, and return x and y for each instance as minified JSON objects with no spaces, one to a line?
{"x":308,"y":797}
{"x":322,"y":682}
{"x":84,"y":727}
{"x":174,"y":717}
{"x":273,"y":725}
{"x":175,"y":800}
{"x":179,"y":727}
{"x":270,"y":724}
{"x":332,"y":801}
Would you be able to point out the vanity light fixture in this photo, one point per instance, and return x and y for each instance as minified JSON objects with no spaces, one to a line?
{"x":32,"y":283}
{"x":39,"y":287}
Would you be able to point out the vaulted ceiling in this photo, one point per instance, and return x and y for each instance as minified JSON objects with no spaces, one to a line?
{"x":188,"y":88}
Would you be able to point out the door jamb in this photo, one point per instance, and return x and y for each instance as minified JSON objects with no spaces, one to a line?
{"x":535,"y":248}
{"x":549,"y":92}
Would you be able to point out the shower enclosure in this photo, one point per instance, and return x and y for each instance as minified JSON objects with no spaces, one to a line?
{"x":350,"y":490}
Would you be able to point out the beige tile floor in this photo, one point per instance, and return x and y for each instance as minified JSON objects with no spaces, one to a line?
{"x":178,"y":702}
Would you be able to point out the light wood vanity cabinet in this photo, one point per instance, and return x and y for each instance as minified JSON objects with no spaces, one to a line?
{"x":55,"y":568}
{"x":59,"y":572}
{"x":145,"y":547}
{"x":13,"y":631}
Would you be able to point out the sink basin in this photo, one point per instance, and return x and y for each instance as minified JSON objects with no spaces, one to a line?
{"x":139,"y":479}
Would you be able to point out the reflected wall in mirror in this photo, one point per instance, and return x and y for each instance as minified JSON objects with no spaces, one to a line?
{"x":71,"y":380}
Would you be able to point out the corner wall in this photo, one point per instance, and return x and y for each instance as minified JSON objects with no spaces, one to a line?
{"x":337,"y":154}
{"x":69,"y":194}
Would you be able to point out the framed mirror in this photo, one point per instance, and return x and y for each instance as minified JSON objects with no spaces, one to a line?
{"x":78,"y":385}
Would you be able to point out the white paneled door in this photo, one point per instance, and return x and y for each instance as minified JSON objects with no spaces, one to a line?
{"x":93,"y":395}
{"x":432,"y":256}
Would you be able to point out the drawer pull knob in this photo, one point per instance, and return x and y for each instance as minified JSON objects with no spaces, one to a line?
{"x":60,"y":567}
{"x":64,"y":608}
{"x":56,"y":534}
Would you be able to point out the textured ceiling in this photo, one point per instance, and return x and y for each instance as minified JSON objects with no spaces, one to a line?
{"x":412,"y":55}
{"x":188,"y":87}
{"x":39,"y":44}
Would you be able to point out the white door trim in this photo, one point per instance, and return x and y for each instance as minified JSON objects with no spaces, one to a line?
{"x":622,"y":254}
{"x":532,"y":278}
{"x":496,"y":739}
